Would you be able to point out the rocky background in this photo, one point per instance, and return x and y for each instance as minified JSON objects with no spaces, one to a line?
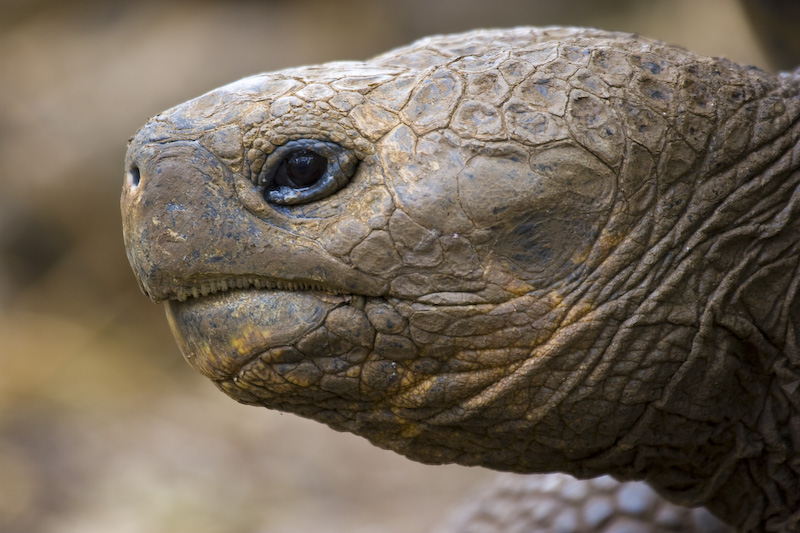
{"x":103,"y":428}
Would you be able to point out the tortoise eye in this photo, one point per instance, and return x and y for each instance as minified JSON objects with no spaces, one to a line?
{"x":305,"y":170}
{"x":301,"y":169}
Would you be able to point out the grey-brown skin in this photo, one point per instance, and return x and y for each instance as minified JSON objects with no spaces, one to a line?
{"x":561,"y":250}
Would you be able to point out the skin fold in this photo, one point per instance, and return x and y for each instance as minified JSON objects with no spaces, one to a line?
{"x":533,"y":250}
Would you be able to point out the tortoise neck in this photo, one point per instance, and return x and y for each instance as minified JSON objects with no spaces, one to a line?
{"x":724,"y":311}
{"x":745,"y":357}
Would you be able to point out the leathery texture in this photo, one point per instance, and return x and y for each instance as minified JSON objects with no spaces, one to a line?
{"x":533,"y":250}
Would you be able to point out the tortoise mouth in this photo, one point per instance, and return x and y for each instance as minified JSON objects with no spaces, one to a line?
{"x":221,"y":332}
{"x":209,"y":287}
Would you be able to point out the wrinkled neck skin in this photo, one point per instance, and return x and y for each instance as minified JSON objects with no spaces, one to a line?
{"x":617,"y":295}
{"x":705,"y":341}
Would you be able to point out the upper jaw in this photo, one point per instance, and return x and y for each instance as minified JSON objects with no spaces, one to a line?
{"x":188,"y":234}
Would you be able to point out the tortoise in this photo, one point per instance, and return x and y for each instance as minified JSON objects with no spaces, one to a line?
{"x":532,"y":249}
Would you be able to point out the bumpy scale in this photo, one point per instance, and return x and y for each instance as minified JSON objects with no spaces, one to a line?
{"x":533,"y":250}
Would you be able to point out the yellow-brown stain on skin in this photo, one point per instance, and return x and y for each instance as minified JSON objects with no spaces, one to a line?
{"x":580,"y":256}
{"x":410,"y":430}
{"x":608,"y":241}
{"x":578,"y":312}
{"x":518,"y":287}
{"x":248,"y":340}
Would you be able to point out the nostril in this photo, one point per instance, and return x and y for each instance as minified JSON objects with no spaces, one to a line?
{"x":134,"y":177}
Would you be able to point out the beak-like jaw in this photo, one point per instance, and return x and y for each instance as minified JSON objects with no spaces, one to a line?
{"x":188,"y":234}
{"x":177,"y":209}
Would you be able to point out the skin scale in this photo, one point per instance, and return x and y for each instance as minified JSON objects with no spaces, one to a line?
{"x":559,"y":249}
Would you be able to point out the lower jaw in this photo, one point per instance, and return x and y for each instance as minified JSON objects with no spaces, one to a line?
{"x":220,"y":333}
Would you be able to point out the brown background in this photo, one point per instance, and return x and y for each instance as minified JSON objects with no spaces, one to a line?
{"x":103,"y":428}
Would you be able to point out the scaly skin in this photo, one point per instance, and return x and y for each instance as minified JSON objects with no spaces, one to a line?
{"x":561,"y":503}
{"x":560,"y":250}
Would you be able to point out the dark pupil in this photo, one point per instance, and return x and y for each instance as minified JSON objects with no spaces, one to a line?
{"x":302,"y":169}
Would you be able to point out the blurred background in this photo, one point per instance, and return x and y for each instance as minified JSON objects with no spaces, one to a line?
{"x":103,"y":427}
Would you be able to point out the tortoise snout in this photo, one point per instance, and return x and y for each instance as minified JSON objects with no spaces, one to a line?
{"x":173,"y":195}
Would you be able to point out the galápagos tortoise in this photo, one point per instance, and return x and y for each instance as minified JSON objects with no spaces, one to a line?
{"x":534,"y":250}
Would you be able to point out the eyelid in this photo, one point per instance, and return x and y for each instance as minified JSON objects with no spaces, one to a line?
{"x":340,"y":168}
